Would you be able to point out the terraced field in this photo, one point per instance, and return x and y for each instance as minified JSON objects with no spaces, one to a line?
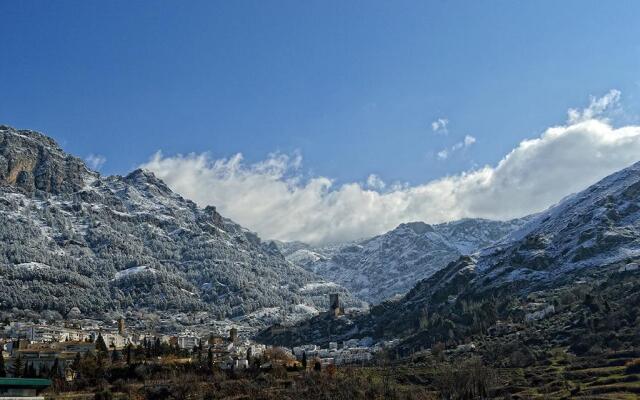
{"x":563,"y":377}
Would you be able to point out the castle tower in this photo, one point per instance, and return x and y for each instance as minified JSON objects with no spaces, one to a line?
{"x":233,"y":335}
{"x":334,"y":304}
{"x":121,"y":327}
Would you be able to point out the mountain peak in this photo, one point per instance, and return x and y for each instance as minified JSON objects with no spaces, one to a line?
{"x":418,"y":227}
{"x":31,"y":162}
{"x":142,"y":178}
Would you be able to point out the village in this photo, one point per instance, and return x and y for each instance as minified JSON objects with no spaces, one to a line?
{"x":54,"y":351}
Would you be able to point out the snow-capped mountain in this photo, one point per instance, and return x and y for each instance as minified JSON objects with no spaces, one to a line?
{"x":390,"y":264}
{"x":595,"y":228}
{"x":583,"y":239}
{"x":72,"y":238}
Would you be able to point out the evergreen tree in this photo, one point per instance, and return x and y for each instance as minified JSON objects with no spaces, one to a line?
{"x":30,"y":370}
{"x":129,"y":354}
{"x":115,"y":356}
{"x":147,"y":348}
{"x":210,"y":359}
{"x":196,"y":350}
{"x":55,"y":369}
{"x":101,"y":346}
{"x":18,"y":367}
{"x":76,"y":362}
{"x":3,"y":371}
{"x":304,"y":360}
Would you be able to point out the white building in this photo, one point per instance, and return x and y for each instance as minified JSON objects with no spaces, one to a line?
{"x":188,"y":341}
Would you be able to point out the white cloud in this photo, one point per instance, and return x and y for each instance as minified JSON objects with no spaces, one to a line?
{"x":469,"y":140}
{"x":374,"y":182}
{"x":597,"y":107}
{"x":463,"y":144}
{"x":95,"y":161}
{"x":272,"y":198}
{"x":443,"y":154}
{"x":440,"y":126}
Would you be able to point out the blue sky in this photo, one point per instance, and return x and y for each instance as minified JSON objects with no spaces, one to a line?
{"x":352,"y":86}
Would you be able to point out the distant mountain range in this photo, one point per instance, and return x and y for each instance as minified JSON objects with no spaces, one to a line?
{"x":390,"y":264}
{"x":585,"y":238}
{"x":70,"y":237}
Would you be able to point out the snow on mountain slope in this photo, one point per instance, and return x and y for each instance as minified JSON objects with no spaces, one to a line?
{"x":112,"y":243}
{"x":390,"y":264}
{"x":583,"y":236}
{"x":586,"y":237}
{"x":596,"y":227}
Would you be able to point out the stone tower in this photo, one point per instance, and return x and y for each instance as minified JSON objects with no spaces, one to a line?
{"x":334,"y":304}
{"x":233,"y":335}
{"x":121,"y":326}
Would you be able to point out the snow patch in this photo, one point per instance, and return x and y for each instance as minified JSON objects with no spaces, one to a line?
{"x":134,"y":270}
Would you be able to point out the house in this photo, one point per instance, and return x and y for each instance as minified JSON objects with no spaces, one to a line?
{"x":309,"y":349}
{"x":351,"y":343}
{"x":18,"y":388}
{"x":188,"y":341}
{"x":241,"y":363}
{"x":69,"y":374}
{"x":353,"y":355}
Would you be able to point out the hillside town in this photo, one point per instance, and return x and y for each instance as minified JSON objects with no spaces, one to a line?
{"x":54,"y":350}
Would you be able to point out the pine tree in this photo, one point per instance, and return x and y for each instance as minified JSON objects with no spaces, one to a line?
{"x":55,"y":369}
{"x":101,"y":346}
{"x":30,"y":370}
{"x":304,"y":360}
{"x":18,"y":367}
{"x":3,"y":371}
{"x":129,"y":354}
{"x":115,"y":356}
{"x":210,"y":359}
{"x":76,"y":362}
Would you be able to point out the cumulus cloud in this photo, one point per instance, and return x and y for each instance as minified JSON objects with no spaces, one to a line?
{"x":374,"y":182}
{"x":440,"y":126}
{"x":95,"y":161}
{"x":272,"y":198}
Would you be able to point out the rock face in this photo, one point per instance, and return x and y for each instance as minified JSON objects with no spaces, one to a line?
{"x":30,"y":161}
{"x":72,"y":238}
{"x":390,"y":264}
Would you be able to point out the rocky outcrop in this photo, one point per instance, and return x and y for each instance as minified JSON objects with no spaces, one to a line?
{"x":30,"y":162}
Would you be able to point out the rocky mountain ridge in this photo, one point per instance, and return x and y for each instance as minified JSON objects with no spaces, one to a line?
{"x":586,"y":239}
{"x":391,"y":264}
{"x":70,"y":237}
